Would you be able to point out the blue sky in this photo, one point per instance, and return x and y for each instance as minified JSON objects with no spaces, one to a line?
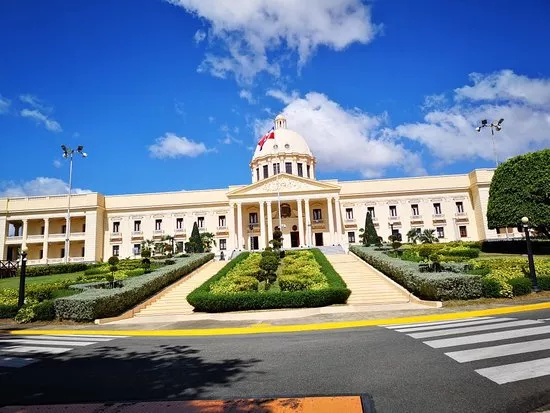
{"x":174,"y":95}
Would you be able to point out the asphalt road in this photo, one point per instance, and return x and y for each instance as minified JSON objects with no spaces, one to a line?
{"x":401,"y":373}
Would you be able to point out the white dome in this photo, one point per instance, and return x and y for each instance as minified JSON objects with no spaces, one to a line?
{"x":286,"y":141}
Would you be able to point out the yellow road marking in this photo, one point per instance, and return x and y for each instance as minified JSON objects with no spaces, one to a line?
{"x":262,"y":328}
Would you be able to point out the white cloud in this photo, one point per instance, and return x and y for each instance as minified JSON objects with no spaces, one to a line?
{"x":57,"y":163}
{"x":327,"y":126}
{"x":507,"y":86}
{"x":449,"y":132}
{"x":283,"y":96}
{"x":38,"y":186}
{"x":172,"y":146}
{"x":199,"y":36}
{"x":39,"y":117}
{"x":4,"y":104}
{"x":250,"y":31}
{"x":211,"y":119}
{"x":247,"y":95}
{"x":434,"y":101}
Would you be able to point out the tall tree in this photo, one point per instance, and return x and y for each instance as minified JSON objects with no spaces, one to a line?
{"x":368,"y":234}
{"x":521,"y":187}
{"x":195,"y":241}
{"x":207,"y":239}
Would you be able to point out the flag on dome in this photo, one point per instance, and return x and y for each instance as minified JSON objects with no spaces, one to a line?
{"x":268,"y":135}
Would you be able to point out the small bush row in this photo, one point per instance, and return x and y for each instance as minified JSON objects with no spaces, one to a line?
{"x":516,"y":246}
{"x":39,"y":270}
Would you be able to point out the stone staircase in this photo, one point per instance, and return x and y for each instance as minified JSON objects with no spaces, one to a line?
{"x":173,"y":301}
{"x":367,"y":286}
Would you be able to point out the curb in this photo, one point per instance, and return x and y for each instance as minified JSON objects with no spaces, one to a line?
{"x":269,"y":329}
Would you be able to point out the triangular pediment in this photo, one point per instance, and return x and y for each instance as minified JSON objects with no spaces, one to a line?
{"x":284,"y":183}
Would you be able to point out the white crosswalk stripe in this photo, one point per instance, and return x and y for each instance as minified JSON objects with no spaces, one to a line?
{"x":481,"y":331}
{"x":14,"y":348}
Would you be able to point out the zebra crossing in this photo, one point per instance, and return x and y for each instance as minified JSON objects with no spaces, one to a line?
{"x":479,"y":339}
{"x":15,"y":349}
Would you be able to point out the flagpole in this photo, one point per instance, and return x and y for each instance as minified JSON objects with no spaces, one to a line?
{"x":279,"y":193}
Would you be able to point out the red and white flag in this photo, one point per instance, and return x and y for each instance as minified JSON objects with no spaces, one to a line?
{"x":268,"y":135}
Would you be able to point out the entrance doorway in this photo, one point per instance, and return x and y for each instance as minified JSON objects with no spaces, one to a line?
{"x":318,"y":239}
{"x":254,"y":245}
{"x":294,"y":239}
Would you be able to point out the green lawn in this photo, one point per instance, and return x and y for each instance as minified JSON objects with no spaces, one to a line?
{"x":13,"y":282}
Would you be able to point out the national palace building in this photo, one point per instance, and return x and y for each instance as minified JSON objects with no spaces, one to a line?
{"x":312,"y":212}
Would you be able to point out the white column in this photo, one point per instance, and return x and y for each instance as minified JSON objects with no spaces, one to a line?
{"x":25,"y":231}
{"x":308,"y":224}
{"x":231,"y":228}
{"x":269,"y":222}
{"x":45,"y":241}
{"x":338,"y":239}
{"x":262,"y":225}
{"x":240,"y":226}
{"x":330,"y":220}
{"x":3,"y":235}
{"x":300,"y":223}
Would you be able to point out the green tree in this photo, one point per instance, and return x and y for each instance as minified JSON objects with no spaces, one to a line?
{"x":428,"y":236}
{"x":195,"y":241}
{"x":207,"y":239}
{"x":369,"y":235}
{"x":521,"y":187}
{"x":277,"y":241}
{"x":412,"y":235}
{"x":113,"y":261}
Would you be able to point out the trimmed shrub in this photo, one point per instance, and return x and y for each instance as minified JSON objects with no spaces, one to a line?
{"x":39,"y":270}
{"x":520,"y":285}
{"x":540,"y":247}
{"x":8,"y":310}
{"x":490,"y":287}
{"x":134,"y":273}
{"x":98,"y":303}
{"x":432,"y":286}
{"x":96,"y":270}
{"x":544,"y":282}
{"x":169,"y":262}
{"x":235,"y":284}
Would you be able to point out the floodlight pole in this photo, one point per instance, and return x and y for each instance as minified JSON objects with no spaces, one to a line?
{"x":494,"y":145}
{"x":68,"y":220}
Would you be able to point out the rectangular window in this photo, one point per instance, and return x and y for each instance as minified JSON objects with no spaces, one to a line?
{"x":257,"y":174}
{"x":137,"y":249}
{"x":179,"y":246}
{"x":501,"y":231}
{"x":116,"y":226}
{"x":42,"y":230}
{"x":137,"y":225}
{"x":64,"y":229}
{"x":276,"y":168}
{"x":459,"y":207}
{"x":82,"y":253}
{"x":463,"y":231}
{"x":307,"y":169}
{"x":116,"y":250}
{"x":317,"y":215}
{"x":351,"y":237}
{"x":393,"y":211}
{"x":440,"y":232}
{"x":288,"y":167}
{"x":349,"y":213}
{"x":414,"y":210}
{"x":179,"y":223}
{"x":223,"y":244}
{"x":62,"y":252}
{"x":253,"y":218}
{"x":266,"y":171}
{"x":200,"y":222}
{"x":370,"y":210}
{"x":300,"y":170}
{"x":158,"y":224}
{"x":437,"y":208}
{"x":41,"y":254}
{"x":221,"y":221}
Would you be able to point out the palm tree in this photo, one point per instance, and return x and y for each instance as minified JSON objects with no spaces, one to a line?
{"x":428,"y":237}
{"x":207,"y":239}
{"x":412,"y":235}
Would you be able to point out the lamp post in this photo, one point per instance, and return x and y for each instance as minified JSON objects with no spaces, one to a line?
{"x":21,"y":299}
{"x":495,"y":125}
{"x":532,"y":274}
{"x":68,"y":153}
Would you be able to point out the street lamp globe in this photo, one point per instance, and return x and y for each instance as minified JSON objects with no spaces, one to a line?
{"x":525,"y":220}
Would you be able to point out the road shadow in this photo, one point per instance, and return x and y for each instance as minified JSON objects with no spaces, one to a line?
{"x":112,"y":373}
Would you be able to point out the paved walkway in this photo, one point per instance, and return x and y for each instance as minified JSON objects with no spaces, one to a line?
{"x":367,"y":285}
{"x":174,"y":301}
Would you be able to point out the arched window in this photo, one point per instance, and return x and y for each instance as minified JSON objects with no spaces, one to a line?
{"x":285,"y":210}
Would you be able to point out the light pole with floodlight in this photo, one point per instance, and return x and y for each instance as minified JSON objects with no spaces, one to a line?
{"x":495,"y":125}
{"x":68,"y":154}
{"x":532,"y":273}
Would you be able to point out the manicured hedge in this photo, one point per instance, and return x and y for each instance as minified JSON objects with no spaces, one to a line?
{"x":337,"y":293}
{"x":99,"y":303}
{"x":516,"y":246}
{"x":38,"y":270}
{"x":430,"y":286}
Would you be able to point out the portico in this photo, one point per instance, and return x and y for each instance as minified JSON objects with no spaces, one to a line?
{"x":306,"y":211}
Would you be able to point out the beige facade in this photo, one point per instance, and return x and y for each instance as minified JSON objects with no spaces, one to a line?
{"x":284,"y":193}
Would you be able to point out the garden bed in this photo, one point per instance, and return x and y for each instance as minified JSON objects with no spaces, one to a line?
{"x":303,"y":279}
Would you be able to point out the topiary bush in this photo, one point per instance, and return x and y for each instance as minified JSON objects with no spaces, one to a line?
{"x":520,"y":285}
